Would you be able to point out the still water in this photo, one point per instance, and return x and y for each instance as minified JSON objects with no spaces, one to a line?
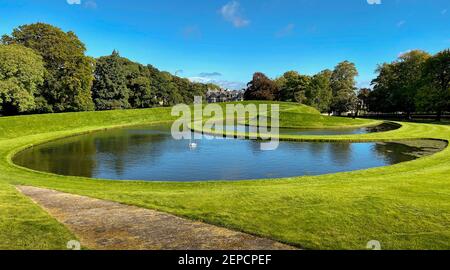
{"x":301,"y":131}
{"x":150,"y":153}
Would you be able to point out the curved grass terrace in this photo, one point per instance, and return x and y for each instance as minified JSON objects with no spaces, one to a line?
{"x":405,"y":206}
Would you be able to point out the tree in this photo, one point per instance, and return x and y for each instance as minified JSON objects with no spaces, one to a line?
{"x":319,"y":91}
{"x":110,"y":86}
{"x":292,"y":87}
{"x":213,"y":87}
{"x":138,"y":83}
{"x":343,"y":86}
{"x":363,"y":97}
{"x":21,"y":72}
{"x":397,"y":84}
{"x":168,"y":89}
{"x":363,"y":100}
{"x":69,"y":73}
{"x":198,"y":89}
{"x":381,"y":98}
{"x":409,"y":69}
{"x":261,"y":88}
{"x":434,"y":95}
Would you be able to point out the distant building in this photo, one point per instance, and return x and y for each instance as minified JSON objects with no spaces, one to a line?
{"x":222,"y":95}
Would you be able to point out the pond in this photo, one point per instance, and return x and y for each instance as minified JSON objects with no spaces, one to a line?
{"x":150,"y":153}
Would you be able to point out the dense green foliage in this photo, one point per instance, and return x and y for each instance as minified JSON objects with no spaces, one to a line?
{"x":414,"y":82}
{"x":76,"y":82}
{"x":110,"y":86}
{"x":21,"y":72}
{"x":327,"y":91}
{"x":292,"y":87}
{"x":434,"y":94}
{"x":69,"y":73}
{"x":404,"y":206}
{"x":319,"y":93}
{"x":121,"y":83}
{"x":343,"y":86}
{"x":139,"y":84}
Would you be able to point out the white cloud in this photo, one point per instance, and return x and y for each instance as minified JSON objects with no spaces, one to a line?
{"x":210,"y":74}
{"x":74,"y":2}
{"x":401,"y":23}
{"x":231,"y":12}
{"x":374,"y":2}
{"x":286,"y":31}
{"x":90,"y":4}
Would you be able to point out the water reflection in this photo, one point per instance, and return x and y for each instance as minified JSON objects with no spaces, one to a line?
{"x":299,"y":131}
{"x":150,"y":153}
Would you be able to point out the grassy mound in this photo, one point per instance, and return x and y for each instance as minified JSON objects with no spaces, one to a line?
{"x":294,"y":115}
{"x":404,"y":206}
{"x":302,"y":120}
{"x":284,"y":106}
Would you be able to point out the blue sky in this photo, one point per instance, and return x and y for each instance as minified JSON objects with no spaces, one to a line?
{"x":227,"y":41}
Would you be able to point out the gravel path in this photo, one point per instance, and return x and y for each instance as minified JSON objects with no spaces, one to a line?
{"x":109,"y":225}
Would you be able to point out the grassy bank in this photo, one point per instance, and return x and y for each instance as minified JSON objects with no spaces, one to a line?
{"x":404,"y":206}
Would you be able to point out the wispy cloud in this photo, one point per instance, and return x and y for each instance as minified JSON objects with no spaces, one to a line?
{"x":401,"y":23}
{"x":374,"y":2}
{"x":444,"y":11}
{"x":286,"y":31}
{"x":90,"y":4}
{"x":210,"y":74}
{"x":74,"y":2}
{"x":232,"y":12}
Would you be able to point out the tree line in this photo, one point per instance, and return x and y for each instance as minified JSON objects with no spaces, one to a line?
{"x":415,"y":82}
{"x":44,"y":69}
{"x":328,"y":90}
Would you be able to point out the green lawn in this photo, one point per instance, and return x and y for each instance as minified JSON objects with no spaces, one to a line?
{"x":405,"y":206}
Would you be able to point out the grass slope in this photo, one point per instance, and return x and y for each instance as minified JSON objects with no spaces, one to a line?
{"x":404,"y":206}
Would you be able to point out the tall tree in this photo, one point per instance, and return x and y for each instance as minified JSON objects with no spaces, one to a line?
{"x":110,"y":86}
{"x":261,"y":88}
{"x":343,"y":85}
{"x":69,"y":73}
{"x":319,"y":91}
{"x":363,"y":98}
{"x":21,"y":72}
{"x":292,"y":87}
{"x":409,"y":69}
{"x":169,"y":89}
{"x":397,"y":84}
{"x":381,"y":98}
{"x":434,"y":95}
{"x":138,"y":82}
